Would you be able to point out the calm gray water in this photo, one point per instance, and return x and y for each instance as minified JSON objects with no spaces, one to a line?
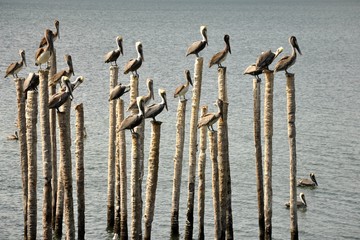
{"x":327,"y":86}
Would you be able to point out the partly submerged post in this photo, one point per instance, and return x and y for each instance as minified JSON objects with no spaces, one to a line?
{"x":178,"y":161}
{"x":193,"y":147}
{"x":268,"y":133}
{"x":152,"y":178}
{"x":291,"y":109}
{"x":135,"y":198}
{"x":258,"y":155}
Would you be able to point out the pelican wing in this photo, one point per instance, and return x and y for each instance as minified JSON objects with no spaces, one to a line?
{"x":282,"y":63}
{"x":178,"y":90}
{"x":216,"y":58}
{"x":38,"y":53}
{"x":206,"y":119}
{"x":265,"y":59}
{"x":195,"y":47}
{"x":57,"y":77}
{"x":111,"y":56}
{"x":57,"y":99}
{"x":11,"y":68}
{"x":153,"y":109}
{"x":130,"y":122}
{"x":130,"y":65}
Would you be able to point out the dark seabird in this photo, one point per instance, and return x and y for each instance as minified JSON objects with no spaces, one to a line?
{"x":65,"y":72}
{"x":210,"y":118}
{"x":219,"y":57}
{"x":14,"y":68}
{"x":14,"y":136}
{"x":118,"y":91}
{"x":43,"y":54}
{"x":56,"y":35}
{"x":134,"y":120}
{"x":31,"y":83}
{"x":253,"y":71}
{"x":146,"y":98}
{"x":134,"y":64}
{"x":266,"y":58}
{"x":154,"y":109}
{"x":198,"y":46}
{"x":305,"y":182}
{"x":58,"y":99}
{"x":180,"y":91}
{"x":112,"y":56}
{"x":284,"y":63}
{"x":299,"y":204}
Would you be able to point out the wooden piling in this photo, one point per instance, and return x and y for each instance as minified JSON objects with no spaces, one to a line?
{"x":152,"y":178}
{"x":135,"y":198}
{"x":258,"y":156}
{"x":268,"y":133}
{"x":46,"y":154}
{"x":178,"y":161}
{"x":291,"y":109}
{"x":193,"y":147}
{"x":31,"y":139}
{"x":201,"y":176}
{"x":59,"y":205}
{"x":80,"y":174}
{"x":21,"y":124}
{"x":117,"y":169}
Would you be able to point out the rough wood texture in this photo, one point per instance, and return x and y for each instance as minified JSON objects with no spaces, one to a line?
{"x":135,"y":198}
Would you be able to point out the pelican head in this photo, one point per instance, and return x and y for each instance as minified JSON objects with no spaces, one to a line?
{"x":162,"y":94}
{"x":139,"y":49}
{"x":79,"y":80}
{"x":68,"y":60}
{"x":188,"y":77}
{"x":312,"y":176}
{"x":119,"y":40}
{"x":66,"y":81}
{"x":22,"y":55}
{"x":203,"y":32}
{"x":219,"y":103}
{"x":278,"y":51}
{"x":150,"y":86}
{"x":227,"y":41}
{"x":294,"y":43}
{"x":56,"y":23}
{"x":302,"y":198}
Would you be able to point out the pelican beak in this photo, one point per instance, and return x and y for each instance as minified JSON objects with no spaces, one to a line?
{"x":141,"y":53}
{"x":166,"y":106}
{"x":297,"y":48}
{"x":229,"y":49}
{"x":25,"y":62}
{"x":121,"y":47}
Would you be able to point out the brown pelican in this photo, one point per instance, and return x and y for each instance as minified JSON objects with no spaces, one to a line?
{"x":31,"y":83}
{"x":197,"y":46}
{"x":154,"y":109}
{"x":14,"y":136}
{"x":134,"y":64}
{"x":118,"y":91}
{"x":210,"y":118}
{"x":299,"y":204}
{"x":219,"y":57}
{"x":305,"y":182}
{"x":61,"y":97}
{"x":146,"y":98}
{"x":266,"y":58}
{"x":284,"y":63}
{"x":182,"y":90}
{"x":112,"y":56}
{"x":43,"y":54}
{"x":134,"y":120}
{"x":65,"y":72}
{"x":79,"y":80}
{"x":14,"y":68}
{"x":254,"y":71}
{"x":55,"y":35}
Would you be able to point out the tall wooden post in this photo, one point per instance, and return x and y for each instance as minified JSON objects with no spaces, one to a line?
{"x":135,"y":198}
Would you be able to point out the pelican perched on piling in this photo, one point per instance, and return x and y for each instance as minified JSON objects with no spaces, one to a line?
{"x":134,"y":120}
{"x":154,"y":109}
{"x":180,"y":91}
{"x":118,"y":91}
{"x":253,"y":71}
{"x":219,"y":57}
{"x":299,"y":204}
{"x":14,"y":136}
{"x":112,"y":56}
{"x":43,"y":54}
{"x":31,"y":83}
{"x":284,"y":63}
{"x":58,"y":99}
{"x":55,"y":35}
{"x":65,"y":72}
{"x":198,"y":46}
{"x":14,"y":68}
{"x":210,"y":118}
{"x":134,"y":64}
{"x":305,"y":182}
{"x":146,"y":98}
{"x":266,"y":58}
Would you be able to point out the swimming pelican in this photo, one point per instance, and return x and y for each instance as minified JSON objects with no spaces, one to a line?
{"x":146,"y":98}
{"x":299,"y":204}
{"x":56,"y":35}
{"x":154,"y":109}
{"x":219,"y":57}
{"x":31,"y":83}
{"x":305,"y":182}
{"x":284,"y":63}
{"x":198,"y":46}
{"x":14,"y":68}
{"x":65,"y":72}
{"x":118,"y":91}
{"x":182,"y":90}
{"x":254,"y":71}
{"x":134,"y":120}
{"x":61,"y":97}
{"x":43,"y":54}
{"x":112,"y":56}
{"x":134,"y":64}
{"x":266,"y":58}
{"x":210,"y":118}
{"x":14,"y":136}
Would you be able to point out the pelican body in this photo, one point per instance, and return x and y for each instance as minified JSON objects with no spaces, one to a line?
{"x":154,"y":109}
{"x":31,"y":83}
{"x":146,"y":98}
{"x":14,"y":136}
{"x":65,"y":72}
{"x":210,"y":118}
{"x":219,"y":57}
{"x":14,"y":68}
{"x":58,"y":99}
{"x":284,"y":63}
{"x":266,"y":58}
{"x":112,"y":56}
{"x":134,"y":64}
{"x":198,"y":46}
{"x":299,"y":204}
{"x":55,"y":35}
{"x":118,"y":91}
{"x":134,"y":120}
{"x":305,"y":182}
{"x":253,"y":71}
{"x":183,"y":89}
{"x":43,"y":54}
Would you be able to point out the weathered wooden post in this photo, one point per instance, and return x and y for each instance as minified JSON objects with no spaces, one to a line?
{"x":258,"y":155}
{"x":291,"y":109}
{"x":31,"y":139}
{"x":80,"y":174}
{"x":193,"y":146}
{"x":21,"y":123}
{"x":268,"y":133}
{"x":59,"y":205}
{"x":201,"y":175}
{"x":135,"y":198}
{"x":152,"y":178}
{"x":178,"y":161}
{"x":117,"y":169}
